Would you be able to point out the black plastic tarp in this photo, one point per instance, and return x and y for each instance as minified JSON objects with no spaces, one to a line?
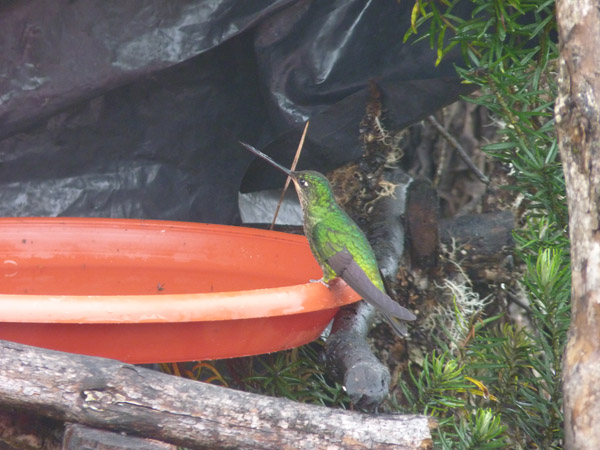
{"x":134,"y":109}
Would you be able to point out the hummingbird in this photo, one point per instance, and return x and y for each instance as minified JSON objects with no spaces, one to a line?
{"x":339,"y":245}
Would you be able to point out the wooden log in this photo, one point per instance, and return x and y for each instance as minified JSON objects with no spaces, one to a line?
{"x":386,"y":229}
{"x":422,"y":223}
{"x":25,"y":430}
{"x":350,"y":359}
{"x":108,"y":394}
{"x":483,"y":238}
{"x":79,"y":437}
{"x":484,"y":242}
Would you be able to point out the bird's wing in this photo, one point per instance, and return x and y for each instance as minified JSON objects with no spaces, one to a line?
{"x":399,"y":326}
{"x":348,"y":270}
{"x":343,"y":264}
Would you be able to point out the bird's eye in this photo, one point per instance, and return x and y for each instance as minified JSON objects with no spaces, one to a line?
{"x":303,"y":182}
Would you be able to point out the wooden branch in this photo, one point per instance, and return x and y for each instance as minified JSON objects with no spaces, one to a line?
{"x":386,"y":231}
{"x":484,"y":241}
{"x":24,"y":430}
{"x":108,"y":394}
{"x":350,"y":359}
{"x":485,"y":238}
{"x":577,"y":113}
{"x":422,"y":222}
{"x":459,"y":149}
{"x":79,"y":437}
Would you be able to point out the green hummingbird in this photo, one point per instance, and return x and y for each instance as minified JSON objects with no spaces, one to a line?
{"x":339,"y":245}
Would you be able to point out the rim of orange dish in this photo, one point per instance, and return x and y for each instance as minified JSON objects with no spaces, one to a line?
{"x":96,"y":270}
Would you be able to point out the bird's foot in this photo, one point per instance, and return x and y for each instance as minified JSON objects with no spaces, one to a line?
{"x":323,"y":282}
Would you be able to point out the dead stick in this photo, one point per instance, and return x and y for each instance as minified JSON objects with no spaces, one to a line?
{"x":459,"y":148}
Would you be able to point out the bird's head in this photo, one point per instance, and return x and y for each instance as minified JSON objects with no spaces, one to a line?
{"x":312,"y":187}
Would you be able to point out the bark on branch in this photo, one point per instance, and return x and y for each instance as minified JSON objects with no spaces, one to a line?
{"x":108,"y":394}
{"x":578,"y":125}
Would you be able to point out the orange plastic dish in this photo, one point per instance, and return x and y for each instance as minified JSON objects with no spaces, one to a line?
{"x":151,"y":291}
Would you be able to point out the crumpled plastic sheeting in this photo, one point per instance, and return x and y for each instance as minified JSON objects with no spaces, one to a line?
{"x":55,"y":53}
{"x":316,"y":60}
{"x":142,"y":150}
{"x":134,"y":109}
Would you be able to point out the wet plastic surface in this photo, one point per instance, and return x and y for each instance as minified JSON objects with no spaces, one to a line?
{"x":151,"y":291}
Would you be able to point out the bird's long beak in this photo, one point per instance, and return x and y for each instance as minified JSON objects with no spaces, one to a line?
{"x":285,"y":170}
